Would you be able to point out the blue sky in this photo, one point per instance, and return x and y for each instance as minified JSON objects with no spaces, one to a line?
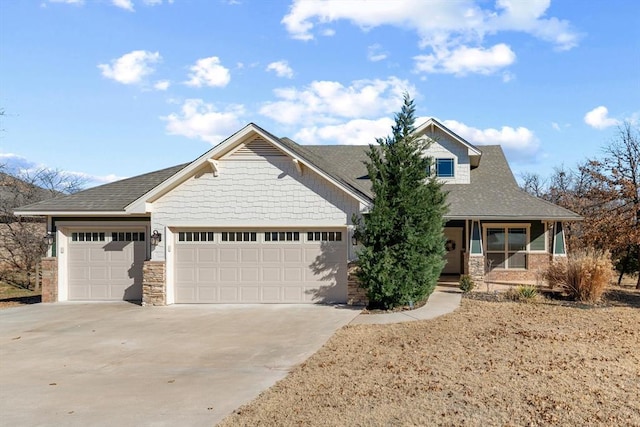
{"x":115,"y":88}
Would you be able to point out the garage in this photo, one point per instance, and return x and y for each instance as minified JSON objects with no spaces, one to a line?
{"x":106,"y":265}
{"x":260,"y":266}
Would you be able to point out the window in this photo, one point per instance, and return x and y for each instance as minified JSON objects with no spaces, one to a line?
{"x":127,"y":236}
{"x":87,"y":236}
{"x":282,"y":236}
{"x":507,"y":247}
{"x":239,"y":236}
{"x":444,"y":168}
{"x":324,"y":236}
{"x":195,"y":236}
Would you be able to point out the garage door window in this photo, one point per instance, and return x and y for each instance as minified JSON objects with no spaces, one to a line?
{"x":282,"y":236}
{"x":87,"y":236}
{"x":195,"y":236}
{"x":239,"y":236}
{"x":127,"y":236}
{"x":324,"y":236}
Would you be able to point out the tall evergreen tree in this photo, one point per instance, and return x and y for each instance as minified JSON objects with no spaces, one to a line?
{"x":402,"y":236}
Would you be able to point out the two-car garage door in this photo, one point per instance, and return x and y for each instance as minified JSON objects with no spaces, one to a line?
{"x":260,"y":266}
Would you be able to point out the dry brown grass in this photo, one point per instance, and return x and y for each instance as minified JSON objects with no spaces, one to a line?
{"x":489,"y":363}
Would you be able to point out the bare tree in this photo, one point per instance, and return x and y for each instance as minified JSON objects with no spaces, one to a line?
{"x":613,"y":190}
{"x":21,"y":243}
{"x":534,"y":184}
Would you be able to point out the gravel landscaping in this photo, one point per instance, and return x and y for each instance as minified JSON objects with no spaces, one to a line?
{"x":492,"y":362}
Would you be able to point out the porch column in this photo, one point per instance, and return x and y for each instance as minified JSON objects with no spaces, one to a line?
{"x":476,"y":254}
{"x":558,"y":248}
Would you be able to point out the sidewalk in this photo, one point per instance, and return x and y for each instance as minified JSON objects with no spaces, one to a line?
{"x":440,"y":302}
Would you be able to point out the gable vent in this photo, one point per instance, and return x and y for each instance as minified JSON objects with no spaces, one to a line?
{"x":255,"y":149}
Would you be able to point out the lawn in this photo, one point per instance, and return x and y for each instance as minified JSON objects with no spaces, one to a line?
{"x":11,"y":296}
{"x":492,"y":362}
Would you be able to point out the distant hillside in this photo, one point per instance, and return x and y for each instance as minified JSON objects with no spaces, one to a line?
{"x":15,"y":192}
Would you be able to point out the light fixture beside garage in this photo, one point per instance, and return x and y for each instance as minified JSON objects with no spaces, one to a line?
{"x":156,"y":238}
{"x":49,"y":238}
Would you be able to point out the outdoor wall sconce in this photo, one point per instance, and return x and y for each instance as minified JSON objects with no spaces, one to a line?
{"x":156,"y":238}
{"x":354,"y":240}
{"x":49,"y":238}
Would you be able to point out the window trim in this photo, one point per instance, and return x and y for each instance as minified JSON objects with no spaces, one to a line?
{"x":506,"y":227}
{"x":453,"y":167}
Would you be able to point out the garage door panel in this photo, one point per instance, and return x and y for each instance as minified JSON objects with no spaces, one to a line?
{"x":206,"y":254}
{"x":251,"y":255}
{"x":293,"y":294}
{"x":207,"y":274}
{"x":186,"y":255}
{"x":271,"y":274}
{"x":228,"y":255}
{"x":249,"y":274}
{"x":208,"y":293}
{"x":260,"y":270}
{"x":228,"y":274}
{"x":250,"y":294}
{"x":270,"y":254}
{"x":292,"y":274}
{"x":229,"y":294}
{"x":293,"y":255}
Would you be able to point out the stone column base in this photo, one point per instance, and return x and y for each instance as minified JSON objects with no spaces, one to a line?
{"x":49,"y":284}
{"x":154,"y":284}
{"x":355,"y":294}
{"x":476,"y":269}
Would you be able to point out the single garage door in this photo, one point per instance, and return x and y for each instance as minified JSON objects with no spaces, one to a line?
{"x":106,"y":265}
{"x":260,"y":266}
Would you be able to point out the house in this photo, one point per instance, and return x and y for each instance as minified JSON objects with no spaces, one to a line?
{"x":261,"y":219}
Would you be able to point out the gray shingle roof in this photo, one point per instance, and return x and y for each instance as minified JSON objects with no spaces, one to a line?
{"x":492,"y":193}
{"x":109,"y":197}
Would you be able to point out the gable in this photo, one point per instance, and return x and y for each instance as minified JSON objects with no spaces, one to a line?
{"x":256,"y":148}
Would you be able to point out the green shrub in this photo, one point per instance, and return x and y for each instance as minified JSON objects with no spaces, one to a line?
{"x":527,"y":292}
{"x":584,"y":275}
{"x":466,"y":283}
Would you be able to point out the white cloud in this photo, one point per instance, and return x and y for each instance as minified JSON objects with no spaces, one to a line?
{"x":353,"y":132}
{"x":131,"y":67}
{"x":162,"y":85}
{"x":453,"y":31}
{"x":555,"y":126}
{"x":598,"y":118}
{"x":328,"y":102}
{"x":464,"y":60}
{"x":124,"y":4}
{"x":375,"y":53}
{"x":281,"y":68}
{"x":208,"y":72}
{"x":200,"y":120}
{"x":520,"y":142}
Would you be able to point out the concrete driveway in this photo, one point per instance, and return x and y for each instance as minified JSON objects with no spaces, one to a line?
{"x":121,"y":364}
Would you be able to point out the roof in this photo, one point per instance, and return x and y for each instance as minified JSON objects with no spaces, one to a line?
{"x":492,"y":194}
{"x":111,"y":197}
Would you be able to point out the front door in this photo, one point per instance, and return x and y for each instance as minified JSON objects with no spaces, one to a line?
{"x":453,"y":247}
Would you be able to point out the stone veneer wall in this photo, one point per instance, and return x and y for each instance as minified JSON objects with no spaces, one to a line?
{"x":154,"y":287}
{"x":49,"y":283}
{"x":355,"y":294}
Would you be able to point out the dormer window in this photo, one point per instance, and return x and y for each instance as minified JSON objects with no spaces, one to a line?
{"x":444,"y":168}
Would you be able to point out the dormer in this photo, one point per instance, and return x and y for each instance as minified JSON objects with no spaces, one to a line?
{"x":453,"y":157}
